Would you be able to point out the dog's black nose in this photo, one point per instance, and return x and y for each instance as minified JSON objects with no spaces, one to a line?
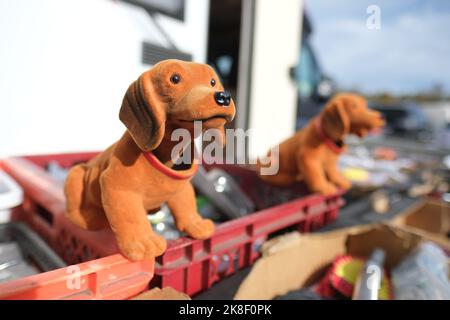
{"x":223,"y":98}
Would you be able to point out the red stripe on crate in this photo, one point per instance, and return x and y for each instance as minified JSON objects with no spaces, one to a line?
{"x":113,"y":277}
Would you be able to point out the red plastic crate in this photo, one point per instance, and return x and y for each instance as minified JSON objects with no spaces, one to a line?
{"x":113,"y":277}
{"x":188,"y":265}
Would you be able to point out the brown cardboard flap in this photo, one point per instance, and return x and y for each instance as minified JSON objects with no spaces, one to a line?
{"x":280,"y":243}
{"x":166,"y":293}
{"x":293,"y":261}
{"x":395,"y":242}
{"x":289,"y":263}
{"x":430,"y":218}
{"x":429,"y":236}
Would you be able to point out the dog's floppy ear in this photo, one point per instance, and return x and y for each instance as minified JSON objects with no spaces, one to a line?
{"x":143,"y":113}
{"x":335,"y":120}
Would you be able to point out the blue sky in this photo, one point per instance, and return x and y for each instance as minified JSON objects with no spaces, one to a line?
{"x":409,"y":53}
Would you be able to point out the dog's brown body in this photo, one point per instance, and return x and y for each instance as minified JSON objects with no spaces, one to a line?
{"x":312,"y":153}
{"x":136,"y":175}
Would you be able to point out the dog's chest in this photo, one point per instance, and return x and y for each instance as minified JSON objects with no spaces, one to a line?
{"x":159,"y":191}
{"x":154,"y":185}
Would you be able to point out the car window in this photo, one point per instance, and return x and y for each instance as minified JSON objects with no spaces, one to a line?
{"x":392,"y":115}
{"x":308,"y":72}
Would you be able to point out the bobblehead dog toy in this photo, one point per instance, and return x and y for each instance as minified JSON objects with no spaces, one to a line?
{"x":313,"y":152}
{"x":136,"y":175}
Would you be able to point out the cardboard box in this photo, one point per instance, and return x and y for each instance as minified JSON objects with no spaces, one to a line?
{"x":293,"y":261}
{"x":429,"y":218}
{"x":166,"y":293}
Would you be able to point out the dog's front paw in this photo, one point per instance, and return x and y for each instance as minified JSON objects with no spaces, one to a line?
{"x":146,"y":247}
{"x":325,"y":189}
{"x":199,"y":228}
{"x":343,"y":184}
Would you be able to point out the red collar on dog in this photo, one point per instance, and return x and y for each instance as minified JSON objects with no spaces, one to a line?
{"x":325,"y":139}
{"x":174,"y":174}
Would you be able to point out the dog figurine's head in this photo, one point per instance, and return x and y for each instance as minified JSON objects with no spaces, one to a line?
{"x":349,"y":114}
{"x":174,"y":94}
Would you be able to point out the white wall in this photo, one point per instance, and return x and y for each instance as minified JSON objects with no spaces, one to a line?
{"x":273,"y":96}
{"x":193,"y":35}
{"x":65,"y":66}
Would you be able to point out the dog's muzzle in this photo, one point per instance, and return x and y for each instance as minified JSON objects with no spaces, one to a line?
{"x":223,"y":98}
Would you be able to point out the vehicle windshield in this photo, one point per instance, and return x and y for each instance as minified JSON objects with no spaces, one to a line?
{"x":308,"y":75}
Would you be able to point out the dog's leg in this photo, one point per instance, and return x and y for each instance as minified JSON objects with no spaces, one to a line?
{"x":83,"y":215}
{"x":279,"y":179}
{"x":187,"y":219}
{"x":73,"y":189}
{"x":314,"y":175}
{"x":128,"y":219}
{"x":336,"y":177}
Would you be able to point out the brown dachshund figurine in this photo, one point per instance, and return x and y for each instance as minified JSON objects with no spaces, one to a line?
{"x":137,"y":174}
{"x":312,"y":153}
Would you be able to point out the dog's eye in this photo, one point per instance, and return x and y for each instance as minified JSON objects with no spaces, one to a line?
{"x":213,"y":82}
{"x":175,"y":78}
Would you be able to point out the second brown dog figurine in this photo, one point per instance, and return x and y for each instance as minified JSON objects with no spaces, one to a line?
{"x":136,"y":175}
{"x":312,"y":153}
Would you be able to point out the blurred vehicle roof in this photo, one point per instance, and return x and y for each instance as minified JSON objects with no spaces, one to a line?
{"x":405,"y":118}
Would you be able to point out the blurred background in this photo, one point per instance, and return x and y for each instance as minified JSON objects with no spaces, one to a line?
{"x":400,"y":63}
{"x":65,"y":65}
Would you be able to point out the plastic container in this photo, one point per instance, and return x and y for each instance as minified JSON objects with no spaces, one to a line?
{"x":11,"y":195}
{"x":31,"y":245}
{"x":113,"y":277}
{"x":188,"y":265}
{"x":23,"y":253}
